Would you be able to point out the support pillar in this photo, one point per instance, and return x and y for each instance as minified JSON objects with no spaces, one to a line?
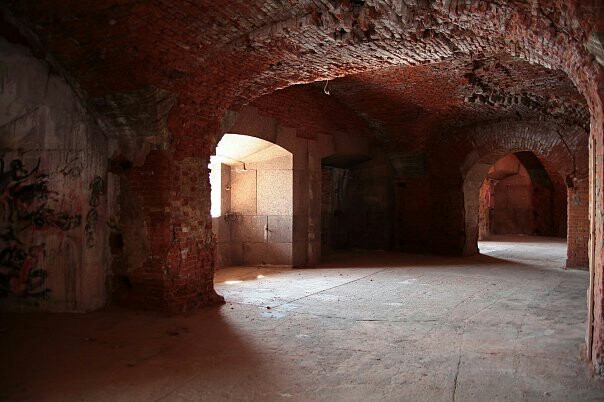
{"x":595,"y":295}
{"x":174,"y":198}
{"x":578,"y":225}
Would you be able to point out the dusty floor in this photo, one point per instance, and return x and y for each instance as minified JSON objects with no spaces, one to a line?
{"x":507,"y":325}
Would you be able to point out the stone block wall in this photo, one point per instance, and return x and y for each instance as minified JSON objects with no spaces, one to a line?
{"x":256,"y":223}
{"x":270,"y":119}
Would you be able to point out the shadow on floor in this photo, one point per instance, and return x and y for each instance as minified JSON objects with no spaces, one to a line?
{"x":124,"y":355}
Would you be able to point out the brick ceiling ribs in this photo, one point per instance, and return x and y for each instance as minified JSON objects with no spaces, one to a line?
{"x":409,"y":68}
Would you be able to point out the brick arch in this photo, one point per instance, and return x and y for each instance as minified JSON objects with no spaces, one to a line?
{"x":567,"y":158}
{"x":462,"y":158}
{"x":557,"y":144}
{"x":305,"y":49}
{"x":464,"y":155}
{"x":531,"y":37}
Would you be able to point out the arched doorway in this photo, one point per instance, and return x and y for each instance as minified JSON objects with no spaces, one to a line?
{"x":252,"y":202}
{"x":546,"y":179}
{"x":520,"y":197}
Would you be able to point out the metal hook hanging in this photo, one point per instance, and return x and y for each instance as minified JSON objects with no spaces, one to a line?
{"x":325,"y":88}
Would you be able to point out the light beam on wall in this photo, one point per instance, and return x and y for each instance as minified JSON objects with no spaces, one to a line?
{"x":215,"y":191}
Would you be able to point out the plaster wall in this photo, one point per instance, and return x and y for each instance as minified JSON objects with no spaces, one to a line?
{"x":53,"y":186}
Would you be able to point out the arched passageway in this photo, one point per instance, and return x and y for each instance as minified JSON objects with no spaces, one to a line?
{"x":518,"y":196}
{"x":252,"y":202}
{"x":534,"y":149}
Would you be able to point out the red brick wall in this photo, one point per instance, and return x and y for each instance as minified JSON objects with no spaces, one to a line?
{"x":411,"y":233}
{"x":578,"y":225}
{"x":361,"y":209}
{"x":596,"y":170}
{"x":514,"y":207}
{"x":178,"y":272}
{"x":311,"y":112}
{"x":484,"y":205}
{"x":327,"y":209}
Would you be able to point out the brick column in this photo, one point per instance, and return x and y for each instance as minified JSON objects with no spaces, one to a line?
{"x":595,"y":331}
{"x":178,"y":272}
{"x":578,"y":225}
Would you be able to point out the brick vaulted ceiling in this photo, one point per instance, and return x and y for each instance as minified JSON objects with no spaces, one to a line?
{"x":405,"y":105}
{"x":410,"y":68}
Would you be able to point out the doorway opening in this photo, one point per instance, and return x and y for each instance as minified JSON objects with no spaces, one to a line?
{"x":252,"y":202}
{"x":520,"y":196}
{"x":356,"y":204}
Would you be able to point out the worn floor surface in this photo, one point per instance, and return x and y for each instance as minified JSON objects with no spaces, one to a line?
{"x":506,"y":325}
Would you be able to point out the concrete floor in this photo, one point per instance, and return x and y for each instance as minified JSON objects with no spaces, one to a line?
{"x":507,"y":325}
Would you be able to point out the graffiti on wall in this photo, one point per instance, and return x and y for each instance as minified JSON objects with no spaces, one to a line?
{"x":25,"y":200}
{"x":97,"y":189}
